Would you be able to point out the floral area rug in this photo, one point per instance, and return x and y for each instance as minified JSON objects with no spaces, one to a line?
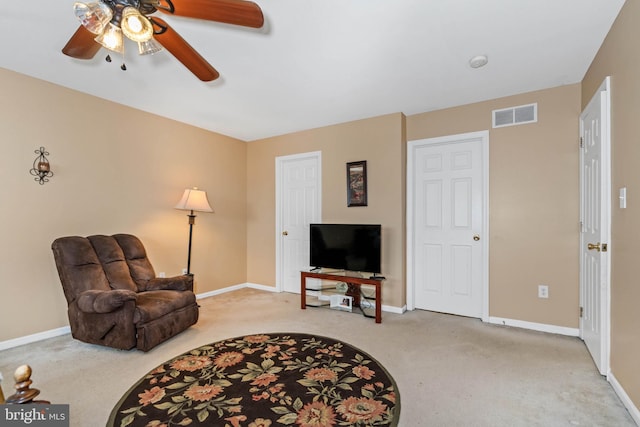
{"x":264,"y":380}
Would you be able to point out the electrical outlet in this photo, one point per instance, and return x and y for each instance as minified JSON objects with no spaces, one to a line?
{"x":184,"y":271}
{"x":161,"y":274}
{"x":543,"y":291}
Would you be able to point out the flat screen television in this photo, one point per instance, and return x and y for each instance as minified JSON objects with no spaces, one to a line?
{"x":351,"y":247}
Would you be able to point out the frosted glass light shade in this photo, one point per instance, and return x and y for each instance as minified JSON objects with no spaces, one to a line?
{"x":136,"y":26}
{"x":194,"y":200}
{"x":149,"y":47}
{"x":93,"y":16}
{"x":111,"y":38}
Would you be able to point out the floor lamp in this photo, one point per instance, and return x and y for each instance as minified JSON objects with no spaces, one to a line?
{"x":193,"y":200}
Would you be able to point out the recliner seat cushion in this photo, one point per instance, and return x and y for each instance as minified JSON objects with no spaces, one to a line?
{"x":152,"y":305}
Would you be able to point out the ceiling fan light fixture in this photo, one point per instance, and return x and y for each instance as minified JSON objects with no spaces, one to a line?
{"x":136,"y":26}
{"x":149,"y":47}
{"x":93,"y":16}
{"x":111,"y":38}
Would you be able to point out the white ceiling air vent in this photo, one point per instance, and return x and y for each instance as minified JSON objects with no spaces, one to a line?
{"x":515,"y":115}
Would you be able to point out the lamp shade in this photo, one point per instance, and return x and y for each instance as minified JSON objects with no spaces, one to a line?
{"x":194,"y":200}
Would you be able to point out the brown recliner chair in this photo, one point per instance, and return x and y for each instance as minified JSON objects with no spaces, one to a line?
{"x":114,"y":296}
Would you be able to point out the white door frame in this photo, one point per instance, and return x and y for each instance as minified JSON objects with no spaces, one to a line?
{"x":412,"y":146}
{"x":606,"y":198}
{"x":279,"y":183}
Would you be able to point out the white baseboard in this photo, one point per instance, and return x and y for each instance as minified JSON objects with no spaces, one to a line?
{"x":28,"y":339}
{"x":541,"y":327}
{"x":392,"y":309}
{"x":624,"y":397}
{"x":221,"y":291}
{"x":236,"y":288}
{"x":261,"y":287}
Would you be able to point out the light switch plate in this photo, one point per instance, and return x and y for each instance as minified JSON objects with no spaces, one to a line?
{"x":623,"y":198}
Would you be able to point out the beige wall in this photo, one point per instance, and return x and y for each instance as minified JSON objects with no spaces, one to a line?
{"x":379,"y":141}
{"x":619,"y":58}
{"x":116,"y":170}
{"x":533,"y":201}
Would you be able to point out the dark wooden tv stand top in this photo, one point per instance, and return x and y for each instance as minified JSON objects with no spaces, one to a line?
{"x":353,"y":282}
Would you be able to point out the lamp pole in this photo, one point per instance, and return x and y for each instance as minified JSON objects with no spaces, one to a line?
{"x":192,"y":221}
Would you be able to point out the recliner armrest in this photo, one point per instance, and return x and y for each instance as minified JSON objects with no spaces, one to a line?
{"x":177,"y":283}
{"x":95,"y":301}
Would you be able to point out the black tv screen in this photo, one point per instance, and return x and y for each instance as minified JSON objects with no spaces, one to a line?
{"x":352,"y":247}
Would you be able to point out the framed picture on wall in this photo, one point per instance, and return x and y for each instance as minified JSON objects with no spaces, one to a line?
{"x":357,"y":183}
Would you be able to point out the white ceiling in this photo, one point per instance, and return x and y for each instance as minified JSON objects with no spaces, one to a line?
{"x":322,"y":62}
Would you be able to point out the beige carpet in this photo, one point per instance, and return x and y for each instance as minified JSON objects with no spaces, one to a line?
{"x":450,"y":371}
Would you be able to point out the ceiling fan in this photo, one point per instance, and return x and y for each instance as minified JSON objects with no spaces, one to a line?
{"x":103,"y":24}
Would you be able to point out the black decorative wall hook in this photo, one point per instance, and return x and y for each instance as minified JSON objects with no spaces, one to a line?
{"x":41,"y":168}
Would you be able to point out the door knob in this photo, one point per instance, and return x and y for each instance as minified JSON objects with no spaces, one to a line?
{"x":592,"y":246}
{"x":285,"y":233}
{"x":476,"y":237}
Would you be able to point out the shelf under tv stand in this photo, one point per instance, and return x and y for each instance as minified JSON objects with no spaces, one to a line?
{"x":353,"y":284}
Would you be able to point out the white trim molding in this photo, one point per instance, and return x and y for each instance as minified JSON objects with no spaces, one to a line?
{"x":540,"y":327}
{"x":624,"y":398}
{"x":28,"y":339}
{"x":393,"y":309}
{"x":221,"y":291}
{"x":236,"y":288}
{"x":260,"y":287}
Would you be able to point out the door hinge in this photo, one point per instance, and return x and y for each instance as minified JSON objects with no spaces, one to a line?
{"x":581,"y":311}
{"x":581,"y":142}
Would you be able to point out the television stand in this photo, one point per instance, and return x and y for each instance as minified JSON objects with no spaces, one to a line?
{"x":353,"y":284}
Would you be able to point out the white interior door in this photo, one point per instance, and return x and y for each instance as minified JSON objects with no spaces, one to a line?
{"x":448,"y":227}
{"x":595,"y":210}
{"x":298,"y":204}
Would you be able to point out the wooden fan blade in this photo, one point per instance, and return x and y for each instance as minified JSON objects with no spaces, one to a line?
{"x":174,"y":43}
{"x":82,"y":44}
{"x":237,"y":12}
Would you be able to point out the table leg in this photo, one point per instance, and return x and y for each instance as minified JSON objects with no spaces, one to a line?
{"x":303,"y":291}
{"x":378,"y":303}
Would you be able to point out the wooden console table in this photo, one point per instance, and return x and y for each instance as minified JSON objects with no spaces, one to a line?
{"x":354,"y":288}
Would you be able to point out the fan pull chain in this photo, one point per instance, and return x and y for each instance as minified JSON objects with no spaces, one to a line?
{"x":123,"y":67}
